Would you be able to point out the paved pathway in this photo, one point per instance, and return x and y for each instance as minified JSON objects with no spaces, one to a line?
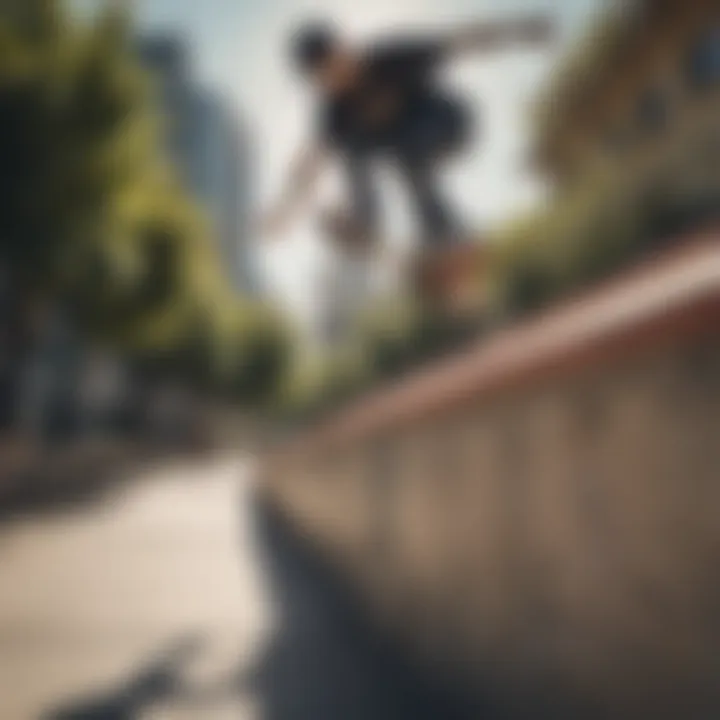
{"x":167,"y":600}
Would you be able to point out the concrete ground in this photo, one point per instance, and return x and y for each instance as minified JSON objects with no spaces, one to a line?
{"x":173,"y":595}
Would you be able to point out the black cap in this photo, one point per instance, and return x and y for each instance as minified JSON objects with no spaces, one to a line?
{"x":312,"y":44}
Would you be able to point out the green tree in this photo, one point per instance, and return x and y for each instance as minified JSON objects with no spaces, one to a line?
{"x":92,"y":215}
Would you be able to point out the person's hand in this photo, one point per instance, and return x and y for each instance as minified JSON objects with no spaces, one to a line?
{"x":537,"y":30}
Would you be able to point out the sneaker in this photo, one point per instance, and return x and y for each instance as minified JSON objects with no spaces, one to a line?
{"x":449,"y":277}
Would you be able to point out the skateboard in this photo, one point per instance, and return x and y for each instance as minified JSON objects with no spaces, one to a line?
{"x":445,"y":278}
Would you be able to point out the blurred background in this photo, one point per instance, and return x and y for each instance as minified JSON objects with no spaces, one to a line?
{"x":151,"y":347}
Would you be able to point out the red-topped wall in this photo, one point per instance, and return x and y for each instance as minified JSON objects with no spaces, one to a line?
{"x":542,"y":512}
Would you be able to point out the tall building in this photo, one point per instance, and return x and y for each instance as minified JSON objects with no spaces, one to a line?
{"x":206,"y":143}
{"x":167,"y":60}
{"x":639,"y":96}
{"x":218,"y":170}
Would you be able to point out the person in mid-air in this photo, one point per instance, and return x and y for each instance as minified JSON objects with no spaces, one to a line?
{"x":385,"y":101}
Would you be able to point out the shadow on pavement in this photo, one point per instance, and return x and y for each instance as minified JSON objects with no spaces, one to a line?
{"x":156,"y":682}
{"x":325,"y":660}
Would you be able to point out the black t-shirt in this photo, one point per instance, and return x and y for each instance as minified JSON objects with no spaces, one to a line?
{"x":397,"y":79}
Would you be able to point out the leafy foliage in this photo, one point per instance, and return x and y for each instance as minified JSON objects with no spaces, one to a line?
{"x":92,"y":216}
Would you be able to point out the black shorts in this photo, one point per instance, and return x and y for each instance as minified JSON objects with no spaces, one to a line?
{"x":434,"y":128}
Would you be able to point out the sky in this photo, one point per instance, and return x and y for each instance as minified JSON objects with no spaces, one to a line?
{"x":240,"y":48}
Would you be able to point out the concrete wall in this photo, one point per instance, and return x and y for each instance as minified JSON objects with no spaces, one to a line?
{"x":553,"y":535}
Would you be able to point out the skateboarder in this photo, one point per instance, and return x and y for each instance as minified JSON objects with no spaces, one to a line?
{"x":385,"y":102}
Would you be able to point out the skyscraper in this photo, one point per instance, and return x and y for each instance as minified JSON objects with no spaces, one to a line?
{"x":167,"y":60}
{"x":218,"y":177}
{"x":206,"y":143}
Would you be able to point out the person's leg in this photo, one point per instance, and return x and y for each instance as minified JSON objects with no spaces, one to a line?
{"x":354,"y":226}
{"x":437,"y":130}
{"x":363,"y":211}
{"x":444,"y":274}
{"x":438,"y":224}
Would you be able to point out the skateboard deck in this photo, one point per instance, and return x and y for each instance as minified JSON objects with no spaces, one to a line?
{"x":443,"y":278}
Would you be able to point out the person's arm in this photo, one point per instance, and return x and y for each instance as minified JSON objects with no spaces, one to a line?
{"x":490,"y":36}
{"x":304,"y":174}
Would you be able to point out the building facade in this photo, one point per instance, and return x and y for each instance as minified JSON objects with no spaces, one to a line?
{"x":206,"y":143}
{"x":641,"y":97}
{"x":217,"y":173}
{"x":167,"y":60}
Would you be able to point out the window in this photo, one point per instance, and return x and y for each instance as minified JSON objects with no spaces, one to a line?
{"x":703,"y":64}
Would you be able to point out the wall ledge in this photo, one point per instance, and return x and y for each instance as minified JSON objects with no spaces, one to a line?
{"x":669,"y":300}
